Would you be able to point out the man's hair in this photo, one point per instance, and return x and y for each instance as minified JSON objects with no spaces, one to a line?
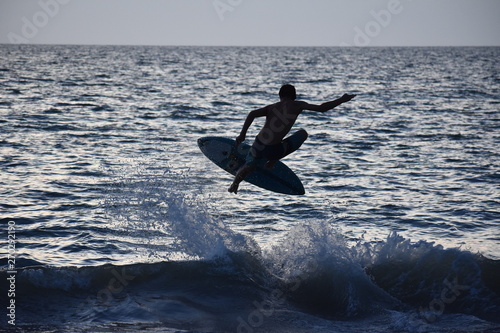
{"x":288,"y":90}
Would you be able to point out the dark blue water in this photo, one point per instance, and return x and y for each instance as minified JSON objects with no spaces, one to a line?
{"x":113,"y":220}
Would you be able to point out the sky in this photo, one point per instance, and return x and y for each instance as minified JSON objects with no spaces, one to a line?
{"x":252,"y":22}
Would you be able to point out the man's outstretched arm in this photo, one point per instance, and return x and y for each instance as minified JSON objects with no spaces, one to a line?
{"x":328,"y":105}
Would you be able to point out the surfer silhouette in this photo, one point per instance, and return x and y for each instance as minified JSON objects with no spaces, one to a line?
{"x":269,"y":144}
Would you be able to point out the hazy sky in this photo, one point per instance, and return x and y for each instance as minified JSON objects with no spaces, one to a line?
{"x":252,"y":22}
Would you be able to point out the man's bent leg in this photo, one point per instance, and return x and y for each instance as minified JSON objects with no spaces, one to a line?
{"x":242,"y":173}
{"x":290,"y":144}
{"x":294,"y":141}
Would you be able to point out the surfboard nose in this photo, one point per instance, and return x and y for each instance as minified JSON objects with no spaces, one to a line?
{"x":201,"y":142}
{"x":204,"y":141}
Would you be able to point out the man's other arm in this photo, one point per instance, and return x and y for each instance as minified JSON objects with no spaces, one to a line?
{"x":327,"y":105}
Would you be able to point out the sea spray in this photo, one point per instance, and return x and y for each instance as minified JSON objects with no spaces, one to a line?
{"x":170,"y":206}
{"x":322,"y":274}
{"x":432,"y":279}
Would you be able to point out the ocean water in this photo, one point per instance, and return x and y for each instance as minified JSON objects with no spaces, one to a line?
{"x":112,"y":220}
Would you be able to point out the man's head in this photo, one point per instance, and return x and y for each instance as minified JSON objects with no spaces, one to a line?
{"x":287,"y":91}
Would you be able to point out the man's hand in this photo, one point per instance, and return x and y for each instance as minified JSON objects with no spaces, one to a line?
{"x":346,"y":98}
{"x":240,"y":139}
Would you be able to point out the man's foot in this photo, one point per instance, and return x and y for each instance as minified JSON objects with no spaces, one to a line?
{"x":233,"y":188}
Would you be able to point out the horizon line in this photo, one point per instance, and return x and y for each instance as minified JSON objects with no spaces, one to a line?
{"x":262,"y":46}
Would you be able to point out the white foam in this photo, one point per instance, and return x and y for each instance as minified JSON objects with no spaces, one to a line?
{"x":170,"y":204}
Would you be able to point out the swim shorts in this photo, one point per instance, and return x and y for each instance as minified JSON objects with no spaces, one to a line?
{"x":261,"y":153}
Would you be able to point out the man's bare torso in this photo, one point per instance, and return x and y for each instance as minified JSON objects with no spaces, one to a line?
{"x":279,"y":120}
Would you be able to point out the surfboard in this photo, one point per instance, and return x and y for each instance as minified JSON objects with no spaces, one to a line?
{"x":224,"y":153}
